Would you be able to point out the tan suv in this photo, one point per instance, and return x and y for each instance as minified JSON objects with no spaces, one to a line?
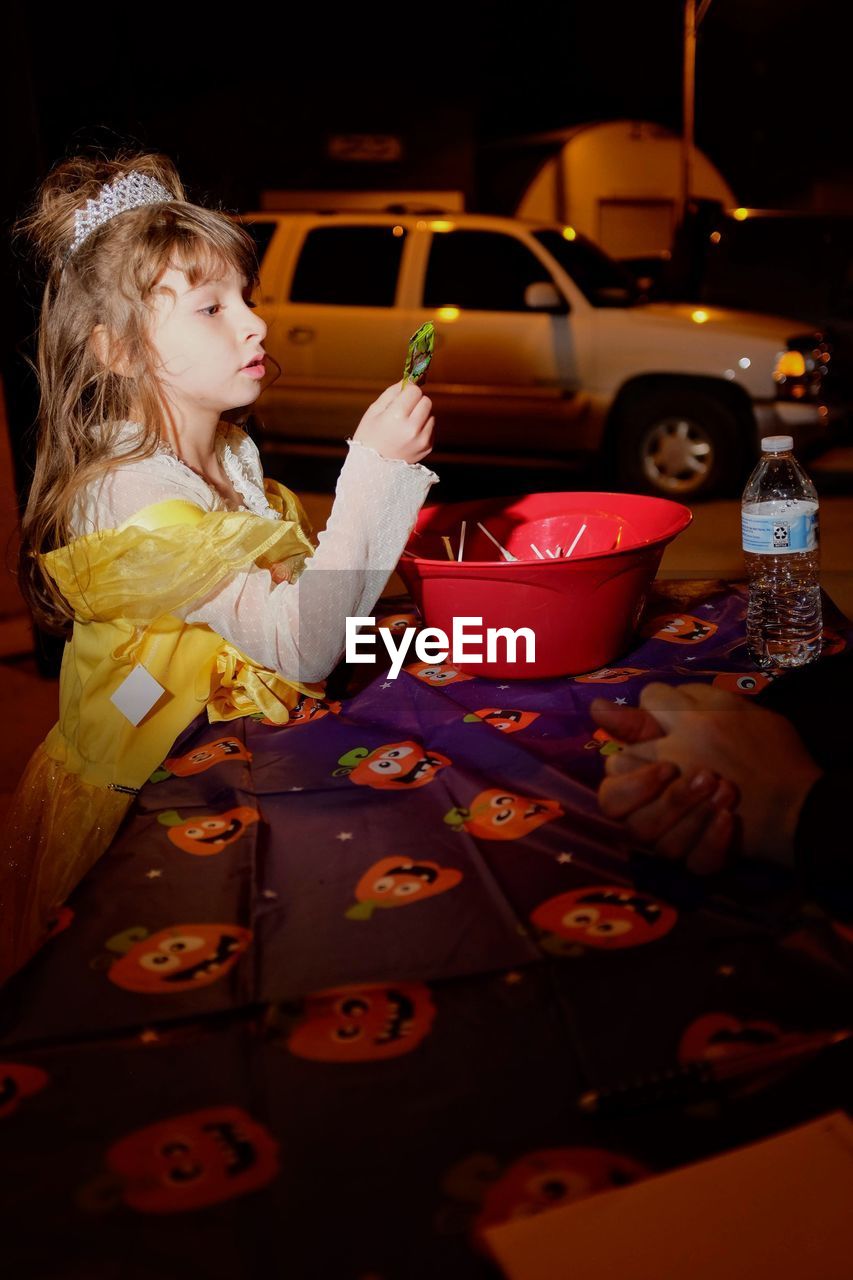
{"x":544,"y":352}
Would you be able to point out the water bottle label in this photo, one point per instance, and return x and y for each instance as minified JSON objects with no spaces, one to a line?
{"x":780,"y":532}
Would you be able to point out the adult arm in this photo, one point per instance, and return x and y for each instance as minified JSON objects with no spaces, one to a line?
{"x":708,"y":735}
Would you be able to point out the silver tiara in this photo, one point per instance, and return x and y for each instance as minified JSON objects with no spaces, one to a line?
{"x":130,"y":191}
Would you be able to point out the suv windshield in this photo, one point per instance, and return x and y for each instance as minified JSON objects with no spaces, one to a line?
{"x":601,"y":280}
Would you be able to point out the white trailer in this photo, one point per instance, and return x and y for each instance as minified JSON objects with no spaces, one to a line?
{"x":619,"y":183}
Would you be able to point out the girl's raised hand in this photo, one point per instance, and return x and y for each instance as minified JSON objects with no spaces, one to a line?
{"x":399,"y":424}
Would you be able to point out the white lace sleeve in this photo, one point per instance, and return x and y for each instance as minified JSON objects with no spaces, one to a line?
{"x":298,"y":629}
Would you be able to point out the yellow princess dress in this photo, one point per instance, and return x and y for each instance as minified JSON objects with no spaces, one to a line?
{"x":123,"y":585}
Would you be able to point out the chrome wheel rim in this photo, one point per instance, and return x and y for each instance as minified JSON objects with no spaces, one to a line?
{"x":677,"y":455}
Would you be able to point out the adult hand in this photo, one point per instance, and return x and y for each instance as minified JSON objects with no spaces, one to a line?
{"x":704,"y":729}
{"x":399,"y":424}
{"x":680,"y":816}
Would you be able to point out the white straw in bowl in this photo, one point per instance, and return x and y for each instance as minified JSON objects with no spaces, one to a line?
{"x":461,"y":540}
{"x":507,"y":555}
{"x":533,"y":547}
{"x":580,"y":531}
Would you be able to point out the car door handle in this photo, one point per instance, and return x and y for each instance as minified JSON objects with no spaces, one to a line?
{"x":300,"y":336}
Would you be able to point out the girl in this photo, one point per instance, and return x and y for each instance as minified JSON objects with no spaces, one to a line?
{"x":183,"y":579}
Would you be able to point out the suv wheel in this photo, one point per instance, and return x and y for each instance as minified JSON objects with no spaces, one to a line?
{"x":678,"y":445}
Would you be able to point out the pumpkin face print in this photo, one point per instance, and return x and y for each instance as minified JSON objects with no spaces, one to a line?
{"x":398,"y":766}
{"x":305,"y":710}
{"x":610,"y":675}
{"x":399,"y":882}
{"x":678,"y":628}
{"x":397,"y":622}
{"x":505,"y":721}
{"x":500,"y":815}
{"x":604,"y":917}
{"x":180,"y":958}
{"x":719,"y":1035}
{"x":437,"y":673}
{"x":363,"y":1024}
{"x":207,"y":835}
{"x":18,"y":1081}
{"x":194,"y":1160}
{"x":749,"y":684}
{"x":206,"y":756}
{"x":308,"y":709}
{"x":602,"y":742}
{"x":557,"y":1176}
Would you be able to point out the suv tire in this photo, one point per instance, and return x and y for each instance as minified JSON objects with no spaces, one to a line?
{"x":678,"y":444}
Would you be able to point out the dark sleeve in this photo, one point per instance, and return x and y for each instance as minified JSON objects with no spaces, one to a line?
{"x":818,"y":701}
{"x":823,"y":849}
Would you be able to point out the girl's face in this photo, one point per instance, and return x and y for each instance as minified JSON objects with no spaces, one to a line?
{"x":204,"y":338}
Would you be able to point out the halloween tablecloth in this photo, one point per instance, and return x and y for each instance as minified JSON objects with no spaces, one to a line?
{"x":328,"y":1004}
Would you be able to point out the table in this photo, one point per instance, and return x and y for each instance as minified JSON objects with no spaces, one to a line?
{"x":327,"y":1006}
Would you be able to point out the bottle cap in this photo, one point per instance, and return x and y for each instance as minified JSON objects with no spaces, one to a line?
{"x":777,"y":444}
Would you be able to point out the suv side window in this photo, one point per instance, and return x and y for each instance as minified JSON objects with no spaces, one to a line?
{"x":348,"y":267}
{"x":480,"y":271}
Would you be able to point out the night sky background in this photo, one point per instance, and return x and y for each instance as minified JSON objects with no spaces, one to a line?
{"x":242,"y":97}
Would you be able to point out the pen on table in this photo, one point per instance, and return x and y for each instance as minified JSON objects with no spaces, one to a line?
{"x":695,"y":1081}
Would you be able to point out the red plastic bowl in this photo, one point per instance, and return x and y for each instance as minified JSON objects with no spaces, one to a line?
{"x":583,"y":610}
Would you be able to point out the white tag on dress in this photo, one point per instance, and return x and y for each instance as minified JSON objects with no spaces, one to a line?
{"x":136,"y":695}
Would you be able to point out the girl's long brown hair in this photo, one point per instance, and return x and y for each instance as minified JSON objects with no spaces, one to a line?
{"x":109,"y":281}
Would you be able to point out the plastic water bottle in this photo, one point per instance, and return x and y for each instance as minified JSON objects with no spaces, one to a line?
{"x":779,"y":520}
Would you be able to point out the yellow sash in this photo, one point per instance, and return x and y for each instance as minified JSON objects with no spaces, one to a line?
{"x":123,"y":585}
